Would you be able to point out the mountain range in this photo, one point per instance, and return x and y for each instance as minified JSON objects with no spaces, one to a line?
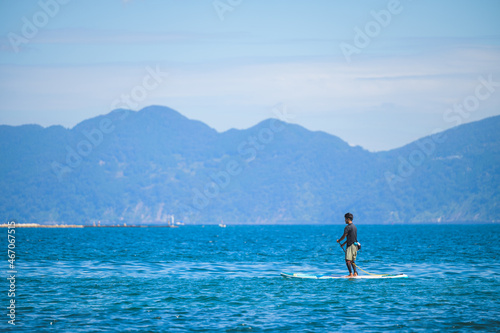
{"x":141,"y":167}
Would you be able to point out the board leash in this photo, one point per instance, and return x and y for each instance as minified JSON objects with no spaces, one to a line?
{"x":362,"y":268}
{"x":368,"y":272}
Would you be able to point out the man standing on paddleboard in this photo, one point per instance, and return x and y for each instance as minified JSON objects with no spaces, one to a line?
{"x":351,"y":232}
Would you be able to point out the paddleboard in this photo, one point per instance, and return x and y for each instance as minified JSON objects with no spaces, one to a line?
{"x":327,"y":276}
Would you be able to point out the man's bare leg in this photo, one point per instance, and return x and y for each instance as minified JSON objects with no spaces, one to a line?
{"x":348,"y":263}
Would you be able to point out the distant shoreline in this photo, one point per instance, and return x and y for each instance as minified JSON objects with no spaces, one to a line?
{"x":36,"y":225}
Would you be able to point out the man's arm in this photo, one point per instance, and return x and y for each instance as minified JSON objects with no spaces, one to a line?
{"x":343,"y":236}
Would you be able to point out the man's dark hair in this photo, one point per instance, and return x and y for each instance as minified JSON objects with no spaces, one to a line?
{"x":349,"y":216}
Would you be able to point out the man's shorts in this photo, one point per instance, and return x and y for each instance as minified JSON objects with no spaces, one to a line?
{"x":351,"y":252}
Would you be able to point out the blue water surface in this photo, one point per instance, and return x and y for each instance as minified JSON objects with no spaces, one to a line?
{"x":212,"y":279}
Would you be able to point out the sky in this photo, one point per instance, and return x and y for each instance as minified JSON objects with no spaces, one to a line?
{"x":378,"y":74}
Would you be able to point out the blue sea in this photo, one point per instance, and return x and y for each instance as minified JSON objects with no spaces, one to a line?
{"x":212,"y":279}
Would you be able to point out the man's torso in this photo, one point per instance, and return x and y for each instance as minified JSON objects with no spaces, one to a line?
{"x":352,"y":234}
